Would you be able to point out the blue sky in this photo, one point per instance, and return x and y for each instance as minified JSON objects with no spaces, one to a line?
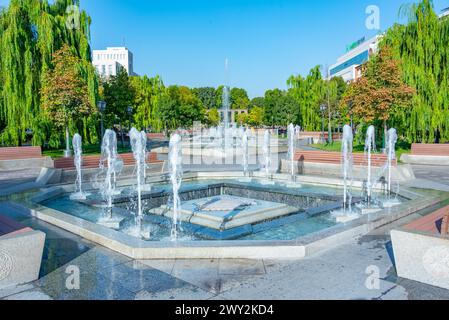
{"x":186,"y":42}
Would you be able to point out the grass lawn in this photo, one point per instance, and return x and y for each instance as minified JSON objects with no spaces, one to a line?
{"x":401,"y":148}
{"x":90,"y":149}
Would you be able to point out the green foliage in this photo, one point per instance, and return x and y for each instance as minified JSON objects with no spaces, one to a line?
{"x":148,"y":92}
{"x":180,"y":107}
{"x":254,"y":118}
{"x":119,"y":94}
{"x":239,"y":99}
{"x":213,"y":117}
{"x":207,"y":96}
{"x":280,"y":108}
{"x":65,"y":96}
{"x":308,"y":93}
{"x":31,"y":31}
{"x":257,"y":102}
{"x":422,"y":46}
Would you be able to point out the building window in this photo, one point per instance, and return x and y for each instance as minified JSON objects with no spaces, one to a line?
{"x":357,"y":60}
{"x":103,"y":69}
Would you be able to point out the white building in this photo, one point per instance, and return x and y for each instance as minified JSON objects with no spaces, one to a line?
{"x":108,"y":62}
{"x":348,"y":66}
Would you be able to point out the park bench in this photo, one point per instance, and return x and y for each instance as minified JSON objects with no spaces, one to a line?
{"x":359,"y":159}
{"x":156,"y":136}
{"x":21,"y":250}
{"x":419,"y":149}
{"x":316,"y":136}
{"x":91,"y":162}
{"x":19,"y":153}
{"x":435,"y":223}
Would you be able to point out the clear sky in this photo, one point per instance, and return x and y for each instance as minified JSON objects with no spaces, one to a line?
{"x":187,"y":41}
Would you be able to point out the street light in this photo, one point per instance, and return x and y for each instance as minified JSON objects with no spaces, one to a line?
{"x":102,"y":108}
{"x":323,"y":108}
{"x":129,"y":110}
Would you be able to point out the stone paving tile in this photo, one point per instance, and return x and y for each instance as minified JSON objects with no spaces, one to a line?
{"x":184,"y":293}
{"x":336,"y":274}
{"x":273,"y":265}
{"x":96,"y":259}
{"x":162,"y":265}
{"x":137,"y":277}
{"x":201,"y":273}
{"x":241,"y":267}
{"x":15,"y":290}
{"x":91,"y":287}
{"x":33,"y":295}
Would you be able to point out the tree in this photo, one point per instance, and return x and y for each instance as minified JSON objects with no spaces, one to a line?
{"x":239,"y":99}
{"x":65,"y":95}
{"x":422,"y":47}
{"x":255,"y":117}
{"x":257,"y":102}
{"x":280,"y":108}
{"x":213,"y":117}
{"x":380,"y":92}
{"x":148,"y":92}
{"x":207,"y":96}
{"x":31,"y":31}
{"x":179,"y":107}
{"x":119,"y":95}
{"x":308,"y":94}
{"x":333,"y":92}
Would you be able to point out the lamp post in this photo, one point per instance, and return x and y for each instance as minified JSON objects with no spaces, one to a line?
{"x":129,"y":110}
{"x":322,"y":109}
{"x":102,"y":108}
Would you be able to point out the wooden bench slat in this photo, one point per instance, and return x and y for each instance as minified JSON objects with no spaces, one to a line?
{"x":94,"y":161}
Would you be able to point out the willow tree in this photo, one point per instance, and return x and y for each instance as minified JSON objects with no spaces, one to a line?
{"x":31,"y":31}
{"x":148,"y":92}
{"x":422,"y":46}
{"x":308,"y":92}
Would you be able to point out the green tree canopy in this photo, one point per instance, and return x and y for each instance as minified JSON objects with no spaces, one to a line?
{"x":207,"y":96}
{"x":119,"y":94}
{"x":31,"y":31}
{"x":148,"y":92}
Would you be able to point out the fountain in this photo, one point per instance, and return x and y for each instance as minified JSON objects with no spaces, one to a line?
{"x":78,"y":151}
{"x":370,"y":145}
{"x":392,"y":139}
{"x":267,"y":152}
{"x":245,"y":152}
{"x":176,"y":174}
{"x":291,"y":149}
{"x":346,"y":150}
{"x":138,"y":145}
{"x":112,"y":166}
{"x":298,"y":132}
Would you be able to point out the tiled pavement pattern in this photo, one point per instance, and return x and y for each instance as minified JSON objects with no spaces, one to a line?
{"x":339,"y":273}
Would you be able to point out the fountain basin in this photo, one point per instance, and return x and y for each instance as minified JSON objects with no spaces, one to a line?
{"x":227,"y":212}
{"x":291,"y":236}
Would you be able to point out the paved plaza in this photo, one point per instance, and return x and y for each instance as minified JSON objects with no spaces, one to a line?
{"x":357,"y":270}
